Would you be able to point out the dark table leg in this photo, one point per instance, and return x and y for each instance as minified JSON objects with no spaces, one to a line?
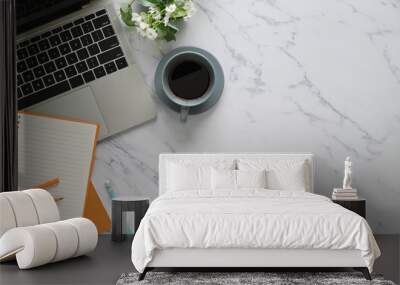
{"x":116,"y":234}
{"x":364,"y":271}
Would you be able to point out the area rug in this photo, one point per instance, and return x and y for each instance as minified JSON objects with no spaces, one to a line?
{"x":244,"y":278}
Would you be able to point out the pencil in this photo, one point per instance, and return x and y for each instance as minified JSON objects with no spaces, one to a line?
{"x":57,"y":199}
{"x":48,"y":184}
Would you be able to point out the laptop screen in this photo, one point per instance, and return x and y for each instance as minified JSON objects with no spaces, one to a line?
{"x":32,"y":13}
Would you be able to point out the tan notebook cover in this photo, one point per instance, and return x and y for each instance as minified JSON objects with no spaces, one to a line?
{"x":95,"y":211}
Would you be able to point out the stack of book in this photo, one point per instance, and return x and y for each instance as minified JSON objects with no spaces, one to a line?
{"x":344,"y":194}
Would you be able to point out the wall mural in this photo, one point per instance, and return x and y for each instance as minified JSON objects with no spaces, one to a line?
{"x":298,"y":77}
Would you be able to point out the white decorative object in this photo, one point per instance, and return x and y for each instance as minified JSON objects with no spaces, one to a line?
{"x":347,"y":173}
{"x":43,"y":238}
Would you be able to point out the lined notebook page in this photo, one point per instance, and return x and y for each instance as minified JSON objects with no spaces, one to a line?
{"x":52,"y":147}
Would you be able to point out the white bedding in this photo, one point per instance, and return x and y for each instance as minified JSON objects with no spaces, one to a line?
{"x":251,"y":218}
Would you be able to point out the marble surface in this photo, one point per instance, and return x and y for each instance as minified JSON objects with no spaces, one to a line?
{"x":315,"y":76}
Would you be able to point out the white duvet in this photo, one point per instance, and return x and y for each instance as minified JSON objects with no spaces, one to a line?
{"x":251,"y":218}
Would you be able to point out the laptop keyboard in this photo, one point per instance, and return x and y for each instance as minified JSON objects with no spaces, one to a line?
{"x":67,"y":57}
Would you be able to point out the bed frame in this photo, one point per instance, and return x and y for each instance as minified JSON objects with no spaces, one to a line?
{"x":237,"y":259}
{"x":251,"y":259}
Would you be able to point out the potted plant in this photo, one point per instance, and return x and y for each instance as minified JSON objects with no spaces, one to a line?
{"x":157,"y":19}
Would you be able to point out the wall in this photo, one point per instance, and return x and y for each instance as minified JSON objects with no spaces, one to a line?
{"x":315,"y":76}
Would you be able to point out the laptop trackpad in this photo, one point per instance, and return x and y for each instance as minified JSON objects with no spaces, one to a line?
{"x":80,"y":104}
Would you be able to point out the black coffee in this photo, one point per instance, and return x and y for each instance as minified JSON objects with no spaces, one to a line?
{"x":189,"y":79}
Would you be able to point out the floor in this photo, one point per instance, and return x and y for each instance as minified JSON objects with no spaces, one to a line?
{"x":103,"y":266}
{"x":110,"y":260}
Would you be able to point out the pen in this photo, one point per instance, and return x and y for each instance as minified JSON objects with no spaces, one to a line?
{"x":48,"y":184}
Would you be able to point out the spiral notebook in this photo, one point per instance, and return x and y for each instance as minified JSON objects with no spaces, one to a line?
{"x":51,"y":147}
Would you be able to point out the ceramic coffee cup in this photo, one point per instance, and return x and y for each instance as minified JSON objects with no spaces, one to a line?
{"x":189,"y":80}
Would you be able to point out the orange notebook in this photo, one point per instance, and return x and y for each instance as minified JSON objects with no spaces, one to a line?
{"x":94,"y":210}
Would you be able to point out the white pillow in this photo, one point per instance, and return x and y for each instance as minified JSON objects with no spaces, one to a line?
{"x":223,"y":179}
{"x":282,"y":174}
{"x":188,"y":174}
{"x":181,"y":178}
{"x":236,"y":179}
{"x":251,"y":178}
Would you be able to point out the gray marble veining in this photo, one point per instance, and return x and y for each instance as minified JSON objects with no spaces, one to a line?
{"x":308,"y":75}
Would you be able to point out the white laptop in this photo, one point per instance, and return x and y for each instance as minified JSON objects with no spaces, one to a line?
{"x":74,"y":61}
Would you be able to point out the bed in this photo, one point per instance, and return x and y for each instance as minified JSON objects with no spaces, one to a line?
{"x":247,"y":211}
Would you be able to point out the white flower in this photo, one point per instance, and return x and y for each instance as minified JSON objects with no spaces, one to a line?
{"x":157,"y":16}
{"x":170,"y":9}
{"x":143,"y":25}
{"x":188,"y":5}
{"x":188,"y":15}
{"x":136,"y":17}
{"x":166,"y":20}
{"x":155,"y":13}
{"x":190,"y":9}
{"x":151,"y":33}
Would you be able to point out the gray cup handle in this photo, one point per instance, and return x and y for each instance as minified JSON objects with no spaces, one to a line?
{"x":184,"y":113}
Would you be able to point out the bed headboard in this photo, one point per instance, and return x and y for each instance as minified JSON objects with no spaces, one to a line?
{"x":165,"y":157}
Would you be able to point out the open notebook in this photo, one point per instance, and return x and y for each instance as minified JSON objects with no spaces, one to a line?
{"x":50,"y":147}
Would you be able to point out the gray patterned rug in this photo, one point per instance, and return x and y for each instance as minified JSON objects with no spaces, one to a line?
{"x":270,"y":278}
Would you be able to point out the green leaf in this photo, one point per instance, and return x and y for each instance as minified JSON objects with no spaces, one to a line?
{"x":126,"y":16}
{"x":173,"y":27}
{"x":179,"y":13}
{"x":149,"y":3}
{"x":170,"y":37}
{"x":166,"y":33}
{"x":170,"y":34}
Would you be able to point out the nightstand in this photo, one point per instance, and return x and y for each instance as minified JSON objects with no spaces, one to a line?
{"x":358,"y":206}
{"x":121,"y":204}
